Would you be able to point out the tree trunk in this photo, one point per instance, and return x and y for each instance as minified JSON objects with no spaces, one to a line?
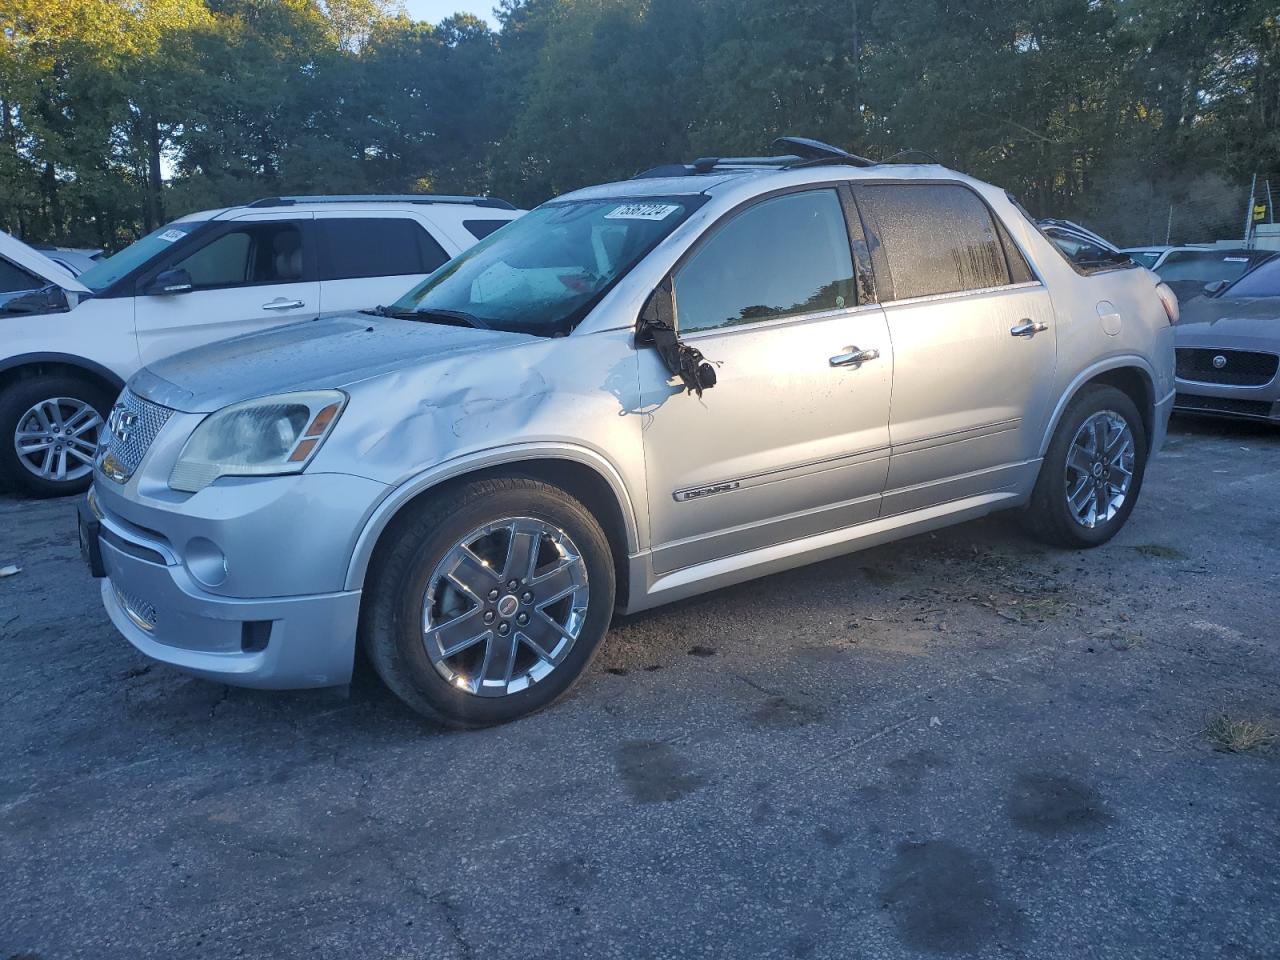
{"x":155,"y":180}
{"x":49,"y":182}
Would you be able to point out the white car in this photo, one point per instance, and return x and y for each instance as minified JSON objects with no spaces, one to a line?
{"x":24,"y":269}
{"x":69,"y":346}
{"x":75,"y":259}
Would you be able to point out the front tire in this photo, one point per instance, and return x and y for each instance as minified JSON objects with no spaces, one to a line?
{"x":488,"y":602}
{"x":49,"y":428}
{"x":1092,"y":472}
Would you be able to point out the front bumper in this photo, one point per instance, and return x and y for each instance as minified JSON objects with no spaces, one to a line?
{"x":162,"y":592}
{"x":279,"y":644}
{"x":1160,"y":429}
{"x":1215,"y":393}
{"x":1219,"y":400}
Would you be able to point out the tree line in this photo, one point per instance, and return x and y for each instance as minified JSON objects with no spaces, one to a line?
{"x":117,"y":115}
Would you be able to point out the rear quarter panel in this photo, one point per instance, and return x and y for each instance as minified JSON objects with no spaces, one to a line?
{"x":1103,"y":321}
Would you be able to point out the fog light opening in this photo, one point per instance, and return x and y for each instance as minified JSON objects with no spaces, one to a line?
{"x":254,"y":635}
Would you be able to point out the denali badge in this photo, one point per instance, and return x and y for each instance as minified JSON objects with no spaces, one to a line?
{"x":1219,"y":362}
{"x":698,"y":492}
{"x":120,"y":422}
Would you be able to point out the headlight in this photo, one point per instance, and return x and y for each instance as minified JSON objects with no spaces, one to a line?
{"x":270,"y":435}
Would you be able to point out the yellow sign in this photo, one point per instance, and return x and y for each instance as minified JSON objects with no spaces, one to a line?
{"x":1259,"y":212}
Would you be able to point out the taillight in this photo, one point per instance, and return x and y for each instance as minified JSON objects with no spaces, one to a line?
{"x":1169,"y":300}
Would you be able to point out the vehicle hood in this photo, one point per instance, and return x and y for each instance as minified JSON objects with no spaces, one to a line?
{"x":13,"y":249}
{"x":312,"y":355}
{"x":1244,"y":322}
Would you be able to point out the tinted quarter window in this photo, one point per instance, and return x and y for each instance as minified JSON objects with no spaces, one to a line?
{"x":376,"y":247}
{"x":482,"y":228}
{"x":249,"y":254}
{"x":782,"y":257}
{"x":13,"y":277}
{"x":938,"y":238}
{"x":1019,"y":270}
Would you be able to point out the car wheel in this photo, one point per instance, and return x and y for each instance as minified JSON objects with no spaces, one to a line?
{"x":1092,"y":473}
{"x":49,"y":433}
{"x":488,"y":602}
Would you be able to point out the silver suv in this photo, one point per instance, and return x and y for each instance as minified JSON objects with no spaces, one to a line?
{"x":635,"y":393}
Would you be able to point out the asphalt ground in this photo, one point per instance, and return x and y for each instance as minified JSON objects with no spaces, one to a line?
{"x":960,"y":744}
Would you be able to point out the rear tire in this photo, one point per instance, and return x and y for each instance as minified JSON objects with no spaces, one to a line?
{"x":1092,"y":472}
{"x":37,"y":415}
{"x":426,"y":593}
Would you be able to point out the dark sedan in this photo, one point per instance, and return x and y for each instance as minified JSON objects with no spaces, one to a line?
{"x":1187,"y":271}
{"x":1228,"y":348}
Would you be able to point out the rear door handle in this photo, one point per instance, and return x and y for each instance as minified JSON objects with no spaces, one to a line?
{"x":282,"y":304}
{"x":1029,"y":328}
{"x":853,"y":357}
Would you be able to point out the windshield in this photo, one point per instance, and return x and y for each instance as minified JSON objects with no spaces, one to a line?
{"x":1202,"y":266}
{"x":106,"y":272}
{"x":542,"y":273}
{"x":1264,"y":281}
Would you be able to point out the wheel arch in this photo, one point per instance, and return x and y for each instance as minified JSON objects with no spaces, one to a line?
{"x":582,"y":473}
{"x":1131,"y":375}
{"x":28,"y":365}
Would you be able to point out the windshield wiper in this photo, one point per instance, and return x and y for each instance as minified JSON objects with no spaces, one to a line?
{"x":452,"y":317}
{"x":381,"y":311}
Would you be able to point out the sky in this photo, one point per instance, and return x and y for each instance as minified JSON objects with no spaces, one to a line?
{"x":436,"y":10}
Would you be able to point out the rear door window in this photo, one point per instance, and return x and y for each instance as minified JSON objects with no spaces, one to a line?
{"x":938,"y":238}
{"x":356,"y":247}
{"x":782,"y":257}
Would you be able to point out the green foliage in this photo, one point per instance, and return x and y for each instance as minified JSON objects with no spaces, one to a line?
{"x":118,"y":114}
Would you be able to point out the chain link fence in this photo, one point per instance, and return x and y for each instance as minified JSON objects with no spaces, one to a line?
{"x":1205,"y":208}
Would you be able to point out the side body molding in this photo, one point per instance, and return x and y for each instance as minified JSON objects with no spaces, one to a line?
{"x":512,"y":455}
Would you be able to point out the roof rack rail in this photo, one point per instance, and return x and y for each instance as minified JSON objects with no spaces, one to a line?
{"x":424,"y":198}
{"x":804,"y":153}
{"x":813,"y":152}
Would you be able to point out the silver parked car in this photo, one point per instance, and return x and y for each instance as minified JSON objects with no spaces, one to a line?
{"x":636,"y":393}
{"x":1228,"y":348}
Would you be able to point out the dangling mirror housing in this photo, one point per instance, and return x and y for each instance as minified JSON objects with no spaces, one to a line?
{"x":657,"y":328}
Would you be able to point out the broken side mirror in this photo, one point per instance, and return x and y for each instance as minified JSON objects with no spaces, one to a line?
{"x":657,"y":312}
{"x":657,"y":327}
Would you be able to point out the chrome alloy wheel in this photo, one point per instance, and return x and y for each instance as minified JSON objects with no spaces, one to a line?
{"x":1100,"y":464}
{"x":56,"y":439}
{"x":505,"y":606}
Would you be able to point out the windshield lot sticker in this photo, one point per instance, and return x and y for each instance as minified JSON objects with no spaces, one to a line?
{"x":171,"y":235}
{"x":642,"y":211}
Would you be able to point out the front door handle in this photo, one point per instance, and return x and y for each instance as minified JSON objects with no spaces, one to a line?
{"x":281,"y":304}
{"x":853,"y":357}
{"x":1029,"y":328}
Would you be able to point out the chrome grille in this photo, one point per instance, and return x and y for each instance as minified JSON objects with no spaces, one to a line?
{"x":131,"y":429}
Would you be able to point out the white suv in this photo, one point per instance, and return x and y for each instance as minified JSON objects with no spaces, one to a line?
{"x":68,"y":348}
